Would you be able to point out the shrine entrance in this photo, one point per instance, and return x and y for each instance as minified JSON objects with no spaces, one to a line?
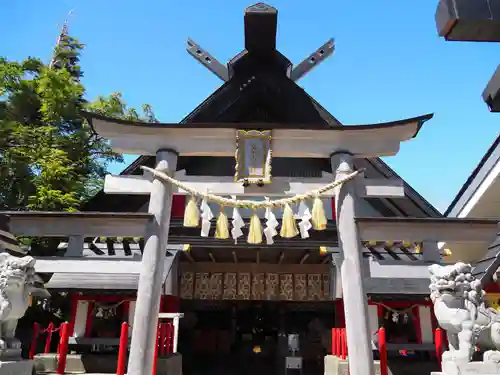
{"x":240,"y":304}
{"x":248,"y":336}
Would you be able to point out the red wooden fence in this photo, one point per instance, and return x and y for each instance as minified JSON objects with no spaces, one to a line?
{"x":164,"y":345}
{"x":37,"y":332}
{"x":339,"y":342}
{"x":339,"y":347}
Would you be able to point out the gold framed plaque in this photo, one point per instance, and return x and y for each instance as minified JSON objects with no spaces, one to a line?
{"x":253,"y":157}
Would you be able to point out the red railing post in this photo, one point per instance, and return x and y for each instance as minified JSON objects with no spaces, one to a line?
{"x":343,"y":353}
{"x":382,"y":349}
{"x":339,"y":342}
{"x":122,"y":352}
{"x":36,"y":330}
{"x":63,"y":348}
{"x":439,"y":341}
{"x":155,"y":358}
{"x":50,"y":329}
{"x":60,"y":335}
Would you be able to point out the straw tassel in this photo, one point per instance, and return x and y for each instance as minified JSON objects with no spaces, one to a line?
{"x":318,"y":215}
{"x":191,"y":214}
{"x":222,"y":225}
{"x":288,"y":226}
{"x":255,"y":231}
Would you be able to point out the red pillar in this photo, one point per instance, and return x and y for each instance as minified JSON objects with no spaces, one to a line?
{"x":417,"y":323}
{"x":380,"y":312}
{"x":72,"y":317}
{"x":434,"y":322}
{"x":90,"y":319}
{"x":382,"y":349}
{"x":178,"y":205}
{"x":339,"y":314}
{"x":126,"y":309}
{"x":333,"y":208}
{"x":170,"y":304}
{"x":122,"y":352}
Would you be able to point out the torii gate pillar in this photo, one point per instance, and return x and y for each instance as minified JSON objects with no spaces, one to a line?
{"x":143,"y":343}
{"x":351,"y":270}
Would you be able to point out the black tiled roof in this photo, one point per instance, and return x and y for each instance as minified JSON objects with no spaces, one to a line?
{"x":485,"y":268}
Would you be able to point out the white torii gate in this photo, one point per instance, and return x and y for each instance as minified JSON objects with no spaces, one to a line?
{"x":168,"y":141}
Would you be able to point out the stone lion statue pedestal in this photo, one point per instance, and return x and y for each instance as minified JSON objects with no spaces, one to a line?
{"x":461,"y":310}
{"x":17,"y":281}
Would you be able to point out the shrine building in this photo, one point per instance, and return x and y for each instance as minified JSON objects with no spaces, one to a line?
{"x":261,"y":257}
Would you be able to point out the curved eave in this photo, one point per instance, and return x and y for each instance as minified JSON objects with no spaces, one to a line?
{"x":289,"y":140}
{"x":98,"y":122}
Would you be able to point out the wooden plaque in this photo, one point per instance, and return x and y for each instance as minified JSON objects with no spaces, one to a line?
{"x":253,"y":156}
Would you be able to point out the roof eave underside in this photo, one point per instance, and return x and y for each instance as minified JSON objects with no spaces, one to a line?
{"x":479,"y":173}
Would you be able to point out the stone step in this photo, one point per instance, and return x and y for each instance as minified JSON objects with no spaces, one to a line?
{"x":47,"y":364}
{"x":336,"y":366}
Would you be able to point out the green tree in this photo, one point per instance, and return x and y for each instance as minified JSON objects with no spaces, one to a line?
{"x":50,"y":159}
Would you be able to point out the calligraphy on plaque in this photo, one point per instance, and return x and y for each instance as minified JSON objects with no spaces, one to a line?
{"x":253,"y":157}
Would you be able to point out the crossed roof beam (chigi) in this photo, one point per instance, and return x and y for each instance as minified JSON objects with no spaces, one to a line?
{"x":473,"y":21}
{"x":260,"y":41}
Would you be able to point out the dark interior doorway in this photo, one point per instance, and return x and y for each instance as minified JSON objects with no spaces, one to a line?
{"x":226,"y":337}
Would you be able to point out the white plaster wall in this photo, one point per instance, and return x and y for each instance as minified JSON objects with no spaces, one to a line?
{"x":131,"y":313}
{"x":81,"y":318}
{"x":426,"y":324}
{"x":373,"y":319}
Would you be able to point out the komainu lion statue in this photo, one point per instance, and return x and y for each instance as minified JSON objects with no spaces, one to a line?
{"x":461,"y":310}
{"x":16,"y":282}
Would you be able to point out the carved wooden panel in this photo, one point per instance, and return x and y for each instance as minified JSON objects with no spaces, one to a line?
{"x":286,"y":287}
{"x":300,"y":287}
{"x":230,"y":286}
{"x":187,"y":285}
{"x":244,"y":282}
{"x":258,"y":287}
{"x":326,"y":286}
{"x":216,"y":285}
{"x":202,"y":286}
{"x":272,"y":285}
{"x":314,"y":287}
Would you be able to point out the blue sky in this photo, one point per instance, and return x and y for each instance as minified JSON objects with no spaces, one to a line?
{"x":389,"y":64}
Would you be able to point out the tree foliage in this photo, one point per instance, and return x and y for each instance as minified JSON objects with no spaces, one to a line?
{"x":50,"y":159}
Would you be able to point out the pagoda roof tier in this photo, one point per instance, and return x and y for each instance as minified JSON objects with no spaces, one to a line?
{"x":289,"y":139}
